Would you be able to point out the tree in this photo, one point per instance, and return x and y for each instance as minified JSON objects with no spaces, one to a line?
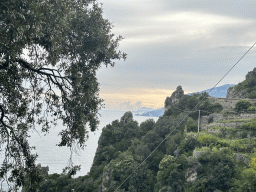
{"x":50,"y":51}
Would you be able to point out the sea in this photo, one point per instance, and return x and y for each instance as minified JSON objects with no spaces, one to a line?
{"x":57,"y":158}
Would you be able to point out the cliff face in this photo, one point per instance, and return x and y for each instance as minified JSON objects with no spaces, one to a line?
{"x":232,"y":93}
{"x":245,"y":89}
{"x":175,"y":97}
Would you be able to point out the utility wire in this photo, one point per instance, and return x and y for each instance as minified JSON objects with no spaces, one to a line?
{"x":184,"y":118}
{"x":189,"y":111}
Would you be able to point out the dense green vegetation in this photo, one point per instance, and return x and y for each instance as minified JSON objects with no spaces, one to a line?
{"x":225,"y":160}
{"x":187,"y":103}
{"x":248,"y":87}
{"x":243,"y":105}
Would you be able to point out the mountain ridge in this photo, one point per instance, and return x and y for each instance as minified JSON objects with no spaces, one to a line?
{"x":220,"y":91}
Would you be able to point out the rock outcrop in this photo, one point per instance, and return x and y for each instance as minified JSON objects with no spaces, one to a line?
{"x":232,"y":93}
{"x":175,"y":97}
{"x":127,"y":117}
{"x":245,"y":88}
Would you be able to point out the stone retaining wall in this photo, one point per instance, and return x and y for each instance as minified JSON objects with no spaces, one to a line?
{"x":228,"y":102}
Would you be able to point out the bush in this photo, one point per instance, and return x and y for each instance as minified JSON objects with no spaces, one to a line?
{"x":216,"y":108}
{"x":252,"y":95}
{"x":242,"y":105}
{"x":251,"y":108}
{"x":191,"y":143}
{"x":207,"y":139}
{"x":191,"y":125}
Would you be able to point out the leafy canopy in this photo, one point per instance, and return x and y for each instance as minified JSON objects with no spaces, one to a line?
{"x":50,"y":51}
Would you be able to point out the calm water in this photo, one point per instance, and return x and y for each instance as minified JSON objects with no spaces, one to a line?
{"x":56,"y":158}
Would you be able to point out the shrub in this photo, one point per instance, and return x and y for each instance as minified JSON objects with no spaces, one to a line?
{"x":252,"y":95}
{"x":242,"y":105}
{"x":251,"y":108}
{"x":207,"y":139}
{"x":216,"y":107}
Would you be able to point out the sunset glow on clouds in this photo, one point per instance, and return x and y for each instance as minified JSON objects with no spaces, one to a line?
{"x":135,"y":98}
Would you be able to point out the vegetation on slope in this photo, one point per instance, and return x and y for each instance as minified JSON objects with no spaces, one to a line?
{"x":219,"y":160}
{"x":245,"y":89}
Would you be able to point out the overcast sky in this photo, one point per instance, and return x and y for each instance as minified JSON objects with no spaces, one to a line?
{"x":171,"y":43}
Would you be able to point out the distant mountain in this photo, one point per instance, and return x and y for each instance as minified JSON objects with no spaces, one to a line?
{"x":143,"y":110}
{"x":220,"y":91}
{"x":155,"y":113}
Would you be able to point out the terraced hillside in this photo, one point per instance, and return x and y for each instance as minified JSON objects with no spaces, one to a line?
{"x":170,"y":154}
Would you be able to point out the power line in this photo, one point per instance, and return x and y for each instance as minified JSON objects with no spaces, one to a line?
{"x":190,"y":111}
{"x":184,"y":118}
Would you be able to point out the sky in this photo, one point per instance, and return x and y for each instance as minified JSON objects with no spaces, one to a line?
{"x":192,"y":43}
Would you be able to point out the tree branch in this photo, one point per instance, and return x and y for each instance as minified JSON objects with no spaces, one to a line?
{"x":40,"y":70}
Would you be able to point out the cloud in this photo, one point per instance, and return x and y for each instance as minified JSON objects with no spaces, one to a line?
{"x":133,"y":99}
{"x":125,"y":106}
{"x":169,"y":43}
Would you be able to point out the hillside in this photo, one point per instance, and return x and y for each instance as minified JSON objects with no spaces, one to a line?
{"x":221,"y":157}
{"x":245,"y":89}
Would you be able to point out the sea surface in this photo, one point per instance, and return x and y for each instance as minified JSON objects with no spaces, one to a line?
{"x":56,"y":158}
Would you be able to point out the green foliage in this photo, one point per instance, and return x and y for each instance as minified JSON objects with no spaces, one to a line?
{"x":247,"y":87}
{"x":130,"y":129}
{"x":249,"y":125}
{"x":142,"y":180}
{"x":124,"y":145}
{"x":163,"y":127}
{"x":173,"y":142}
{"x":50,"y":52}
{"x":215,"y":173}
{"x":151,"y":139}
{"x":242,"y":145}
{"x":56,"y":182}
{"x":252,"y":95}
{"x":207,"y":139}
{"x":191,"y":125}
{"x":242,"y":105}
{"x":216,"y":108}
{"x":165,"y":167}
{"x":145,"y":127}
{"x":246,"y":181}
{"x":190,"y":143}
{"x":187,"y":103}
{"x":170,"y":174}
{"x":154,"y":160}
{"x":251,"y":108}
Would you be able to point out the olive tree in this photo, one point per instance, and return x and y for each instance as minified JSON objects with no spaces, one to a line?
{"x":50,"y":51}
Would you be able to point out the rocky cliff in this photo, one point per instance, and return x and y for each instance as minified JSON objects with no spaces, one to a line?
{"x":175,"y":97}
{"x":245,"y":89}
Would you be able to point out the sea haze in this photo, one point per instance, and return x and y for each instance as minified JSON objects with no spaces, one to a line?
{"x":56,"y":158}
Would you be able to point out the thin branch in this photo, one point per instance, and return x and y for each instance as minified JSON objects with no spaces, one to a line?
{"x":40,"y":70}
